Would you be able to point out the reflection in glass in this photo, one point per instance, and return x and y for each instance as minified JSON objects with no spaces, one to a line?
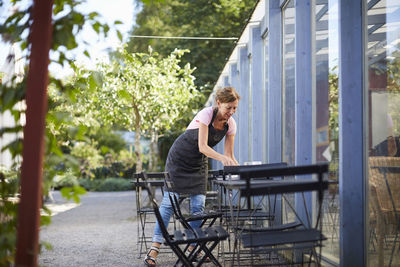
{"x":383,"y":51}
{"x":326,"y":104}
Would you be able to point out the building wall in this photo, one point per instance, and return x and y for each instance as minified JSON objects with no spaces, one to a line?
{"x":13,"y":70}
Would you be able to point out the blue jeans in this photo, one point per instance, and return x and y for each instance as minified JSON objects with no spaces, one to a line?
{"x":197,"y":203}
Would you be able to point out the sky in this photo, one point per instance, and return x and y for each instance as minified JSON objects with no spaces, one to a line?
{"x":122,"y":10}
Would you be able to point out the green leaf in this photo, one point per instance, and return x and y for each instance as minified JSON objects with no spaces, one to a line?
{"x":86,"y":53}
{"x":96,"y":27}
{"x":8,"y":98}
{"x":119,"y":34}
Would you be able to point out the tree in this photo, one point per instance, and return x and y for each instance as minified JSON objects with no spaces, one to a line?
{"x":204,"y":18}
{"x":141,"y":92}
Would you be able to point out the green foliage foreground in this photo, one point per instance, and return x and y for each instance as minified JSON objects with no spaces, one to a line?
{"x":67,"y":23}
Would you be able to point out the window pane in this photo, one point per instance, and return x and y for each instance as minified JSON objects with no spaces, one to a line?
{"x":288,"y":94}
{"x":265,"y":100}
{"x":327,"y":132}
{"x":383,"y":19}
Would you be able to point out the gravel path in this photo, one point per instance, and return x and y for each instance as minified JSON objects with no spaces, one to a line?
{"x":100,"y":231}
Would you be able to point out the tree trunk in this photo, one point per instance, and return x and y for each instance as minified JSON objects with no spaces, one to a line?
{"x":153,"y":151}
{"x":138,"y":134}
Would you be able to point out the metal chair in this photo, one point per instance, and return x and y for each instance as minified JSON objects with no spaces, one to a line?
{"x":260,"y":213}
{"x":205,"y":239}
{"x":144,"y":211}
{"x":301,"y":240}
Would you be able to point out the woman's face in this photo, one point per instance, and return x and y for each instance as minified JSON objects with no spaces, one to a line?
{"x":226,"y":110}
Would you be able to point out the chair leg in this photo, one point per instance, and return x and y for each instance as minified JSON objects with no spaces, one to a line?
{"x":181,"y":256}
{"x":207,"y":253}
{"x":142,"y":237}
{"x":184,"y":251}
{"x":393,"y":248}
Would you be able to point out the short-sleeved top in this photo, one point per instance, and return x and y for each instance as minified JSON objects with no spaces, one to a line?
{"x":186,"y":165}
{"x":205,"y":116}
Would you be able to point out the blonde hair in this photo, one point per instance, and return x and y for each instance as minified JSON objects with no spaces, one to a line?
{"x":226,"y":94}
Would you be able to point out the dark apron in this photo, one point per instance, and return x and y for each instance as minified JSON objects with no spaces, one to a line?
{"x":188,"y":168}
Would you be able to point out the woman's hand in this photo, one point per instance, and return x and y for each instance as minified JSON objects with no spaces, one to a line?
{"x":227,"y":161}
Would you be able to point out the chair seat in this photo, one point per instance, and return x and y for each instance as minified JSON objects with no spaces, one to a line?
{"x":203,"y":216}
{"x":281,"y":237}
{"x":286,"y":226}
{"x":213,"y":233}
{"x":211,"y":194}
{"x":145,"y":210}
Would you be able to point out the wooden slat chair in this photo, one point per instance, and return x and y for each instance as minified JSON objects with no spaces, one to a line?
{"x":384,"y":180}
{"x":299,"y":240}
{"x":205,"y":239}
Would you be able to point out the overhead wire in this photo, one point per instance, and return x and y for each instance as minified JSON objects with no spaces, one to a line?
{"x":183,"y":37}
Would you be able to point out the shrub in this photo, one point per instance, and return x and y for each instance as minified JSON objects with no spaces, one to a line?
{"x":129,"y":172}
{"x":115,"y":184}
{"x":88,"y":156}
{"x":9,"y":182}
{"x":65,"y":180}
{"x":88,"y":184}
{"x":100,"y":172}
{"x":117,"y":169}
{"x":9,"y":188}
{"x":107,"y":185}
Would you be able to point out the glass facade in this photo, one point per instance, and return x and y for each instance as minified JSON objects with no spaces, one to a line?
{"x":326,"y":104}
{"x":356,"y":121}
{"x":264,"y":96}
{"x":288,"y":89}
{"x":383,"y":96}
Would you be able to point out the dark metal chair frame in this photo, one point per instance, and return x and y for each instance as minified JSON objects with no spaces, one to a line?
{"x":308,"y":237}
{"x":205,"y":239}
{"x":236,"y":218}
{"x":144,"y":213}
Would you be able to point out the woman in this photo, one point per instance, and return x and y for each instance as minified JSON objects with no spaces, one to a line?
{"x":187,"y":161}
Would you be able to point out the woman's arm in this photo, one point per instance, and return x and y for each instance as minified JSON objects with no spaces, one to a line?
{"x":208,"y":151}
{"x":228,"y":147}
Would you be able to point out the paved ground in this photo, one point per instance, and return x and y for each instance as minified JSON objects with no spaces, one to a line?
{"x":101,"y":231}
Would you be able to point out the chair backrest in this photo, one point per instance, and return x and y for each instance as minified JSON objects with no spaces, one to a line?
{"x":160,"y":221}
{"x":252,"y":171}
{"x":278,"y":187}
{"x":289,"y":186}
{"x":175,"y":203}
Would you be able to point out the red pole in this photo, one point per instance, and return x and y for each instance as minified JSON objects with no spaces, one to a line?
{"x":36,"y":101}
